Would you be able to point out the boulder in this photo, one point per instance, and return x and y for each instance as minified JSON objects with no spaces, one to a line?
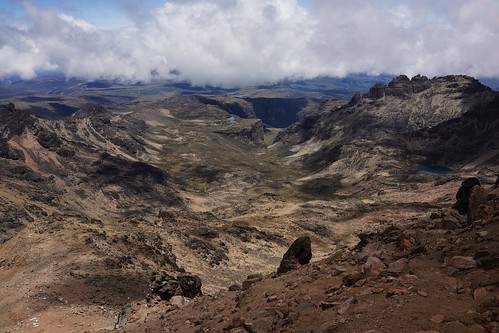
{"x":300,"y":252}
{"x":476,"y":206}
{"x":462,"y":196}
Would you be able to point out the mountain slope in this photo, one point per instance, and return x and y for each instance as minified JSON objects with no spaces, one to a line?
{"x":450,"y":121}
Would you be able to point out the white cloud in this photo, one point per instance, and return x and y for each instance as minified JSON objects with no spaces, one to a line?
{"x":238,"y":42}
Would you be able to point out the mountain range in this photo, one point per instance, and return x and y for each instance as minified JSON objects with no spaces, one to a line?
{"x":144,"y":209}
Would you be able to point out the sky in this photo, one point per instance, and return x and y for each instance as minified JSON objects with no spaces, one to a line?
{"x":234,"y":43}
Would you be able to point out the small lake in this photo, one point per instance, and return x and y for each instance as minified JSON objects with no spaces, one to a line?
{"x":434,"y":169}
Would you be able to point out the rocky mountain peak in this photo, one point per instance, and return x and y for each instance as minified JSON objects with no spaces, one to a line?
{"x":403,"y":87}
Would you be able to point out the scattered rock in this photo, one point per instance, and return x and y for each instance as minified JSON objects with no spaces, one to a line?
{"x":454,"y":327}
{"x":346,"y":305}
{"x":462,"y":263}
{"x":484,"y":297}
{"x":437,"y":319}
{"x":250,"y":281}
{"x":352,"y":278}
{"x":373,"y":266}
{"x":397,"y":266}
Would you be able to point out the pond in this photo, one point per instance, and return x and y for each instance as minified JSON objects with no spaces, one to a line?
{"x":433,"y":169}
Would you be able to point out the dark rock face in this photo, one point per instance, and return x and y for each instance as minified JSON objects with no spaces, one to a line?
{"x":240,"y":107}
{"x":167,"y":286}
{"x":476,"y":211}
{"x":6,"y":151}
{"x":376,"y":92}
{"x":14,"y":122}
{"x":278,"y":112}
{"x":48,"y":140}
{"x":11,"y":107}
{"x":300,"y":252}
{"x":248,"y":134}
{"x":355,"y":99}
{"x":463,"y":195}
{"x":401,"y":87}
{"x":420,"y":83}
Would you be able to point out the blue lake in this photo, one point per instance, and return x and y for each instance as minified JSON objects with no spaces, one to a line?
{"x":434,"y":169}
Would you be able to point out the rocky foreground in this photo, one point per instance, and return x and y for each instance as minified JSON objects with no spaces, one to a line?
{"x":436,"y":274}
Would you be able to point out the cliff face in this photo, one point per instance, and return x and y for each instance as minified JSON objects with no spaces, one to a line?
{"x":449,"y":121}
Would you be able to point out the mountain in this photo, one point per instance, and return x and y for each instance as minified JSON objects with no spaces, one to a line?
{"x":117,"y":217}
{"x":386,"y":133}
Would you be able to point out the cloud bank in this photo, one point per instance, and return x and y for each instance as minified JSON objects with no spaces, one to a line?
{"x":237,"y":42}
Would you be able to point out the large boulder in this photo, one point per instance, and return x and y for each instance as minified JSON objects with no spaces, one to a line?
{"x":463,"y":195}
{"x":300,"y":252}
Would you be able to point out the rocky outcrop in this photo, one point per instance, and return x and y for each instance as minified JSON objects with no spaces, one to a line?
{"x":166,"y":286}
{"x":246,"y":132}
{"x":14,"y":122}
{"x":300,"y":252}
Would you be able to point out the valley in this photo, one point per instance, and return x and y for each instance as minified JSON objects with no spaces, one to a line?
{"x":106,"y":188}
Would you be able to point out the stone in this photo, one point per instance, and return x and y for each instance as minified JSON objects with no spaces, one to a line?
{"x":476,"y":329}
{"x":373,"y":266}
{"x":352,"y":278}
{"x":300,"y":252}
{"x":190,"y":284}
{"x":327,"y":327}
{"x":346,"y":305}
{"x":483,"y":297}
{"x":397,"y":266}
{"x":177,"y":300}
{"x":463,"y":194}
{"x":437,"y":319}
{"x":250,"y":281}
{"x":369,"y":250}
{"x":454,"y":327}
{"x":477,"y":210}
{"x":462,"y":263}
{"x":302,"y":307}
